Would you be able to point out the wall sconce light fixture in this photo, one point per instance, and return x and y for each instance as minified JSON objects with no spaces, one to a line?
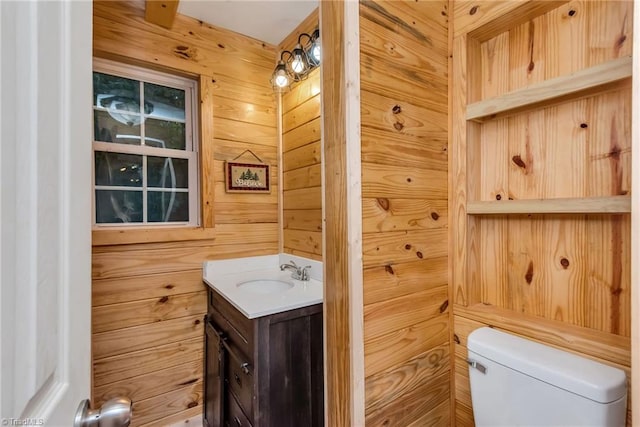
{"x":295,"y":65}
{"x":313,"y":51}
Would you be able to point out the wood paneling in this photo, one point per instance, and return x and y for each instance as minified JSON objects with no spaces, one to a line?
{"x":635,"y":218}
{"x":302,"y":198}
{"x":161,"y":408}
{"x":545,"y":254}
{"x":150,"y":385}
{"x":116,"y":368}
{"x":438,"y":416}
{"x":379,"y":249}
{"x":392,"y":149}
{"x":485,"y":19}
{"x":389,"y":387}
{"x":304,"y":177}
{"x":585,"y":341}
{"x":309,"y":24}
{"x":135,"y":313}
{"x":302,"y":135}
{"x":230,"y":129}
{"x":186,"y":418}
{"x":464,"y":415}
{"x":305,"y":156}
{"x":117,"y":261}
{"x":414,"y":120}
{"x":304,"y":112}
{"x":382,"y":352}
{"x":161,"y":12}
{"x":391,"y":214}
{"x":391,"y":181}
{"x":303,"y":219}
{"x":190,"y":47}
{"x":406,"y":278}
{"x":301,"y":165}
{"x":344,"y":400}
{"x":148,"y":299}
{"x":207,"y":135}
{"x":120,"y":341}
{"x":429,"y":399}
{"x":403,"y":71}
{"x":392,"y":315}
{"x":304,"y":241}
{"x":133,"y":288}
{"x":301,"y":93}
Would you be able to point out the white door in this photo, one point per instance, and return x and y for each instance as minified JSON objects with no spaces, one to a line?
{"x":45,"y":196}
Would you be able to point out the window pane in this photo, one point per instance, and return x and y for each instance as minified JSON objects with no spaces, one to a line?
{"x":139,"y":118}
{"x":118,"y":169}
{"x":167,"y":102}
{"x":120,"y":97}
{"x":167,"y":206}
{"x":165,"y":172}
{"x":118,"y":206}
{"x":164,"y":134}
{"x":107,"y":129}
{"x":108,"y":88}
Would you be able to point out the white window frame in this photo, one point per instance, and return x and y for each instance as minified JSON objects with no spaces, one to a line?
{"x":190,"y":153}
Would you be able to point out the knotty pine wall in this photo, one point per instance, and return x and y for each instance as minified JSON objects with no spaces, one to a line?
{"x":560,"y":279}
{"x":404,"y":96}
{"x":301,"y":157}
{"x":301,"y":154}
{"x":148,"y":298}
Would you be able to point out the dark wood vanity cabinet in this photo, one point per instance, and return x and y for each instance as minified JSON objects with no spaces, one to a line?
{"x":263,"y":372}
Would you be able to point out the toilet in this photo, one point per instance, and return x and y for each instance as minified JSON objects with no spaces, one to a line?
{"x":517,"y":382}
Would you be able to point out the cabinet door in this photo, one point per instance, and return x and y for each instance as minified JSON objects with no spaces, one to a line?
{"x":214,"y":366}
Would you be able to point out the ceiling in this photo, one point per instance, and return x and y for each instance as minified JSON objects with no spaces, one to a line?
{"x":266,"y":20}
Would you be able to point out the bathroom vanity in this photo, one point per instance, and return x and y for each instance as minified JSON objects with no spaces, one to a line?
{"x":263,"y":348}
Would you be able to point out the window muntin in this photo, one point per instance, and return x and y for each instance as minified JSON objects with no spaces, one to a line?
{"x":145,"y":157}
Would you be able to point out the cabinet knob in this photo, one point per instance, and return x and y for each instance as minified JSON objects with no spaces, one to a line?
{"x":245,"y":368}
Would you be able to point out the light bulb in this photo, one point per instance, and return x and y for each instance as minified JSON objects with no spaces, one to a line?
{"x":280,"y":75}
{"x":315,"y":52}
{"x":297,"y":65}
{"x":281,"y":80}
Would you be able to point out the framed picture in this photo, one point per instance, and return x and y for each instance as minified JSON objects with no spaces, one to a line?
{"x":247,"y":177}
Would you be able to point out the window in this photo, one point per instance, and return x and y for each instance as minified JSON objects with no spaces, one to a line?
{"x":144,"y":146}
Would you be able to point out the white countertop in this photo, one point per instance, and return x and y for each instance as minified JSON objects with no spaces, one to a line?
{"x":224,"y":276}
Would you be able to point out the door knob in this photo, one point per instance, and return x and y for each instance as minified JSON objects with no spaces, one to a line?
{"x":113,"y":413}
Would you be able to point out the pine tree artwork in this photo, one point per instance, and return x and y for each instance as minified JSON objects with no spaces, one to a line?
{"x":247,"y":177}
{"x":250,"y":175}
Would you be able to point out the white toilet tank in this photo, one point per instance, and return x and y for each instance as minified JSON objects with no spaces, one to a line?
{"x":517,"y":382}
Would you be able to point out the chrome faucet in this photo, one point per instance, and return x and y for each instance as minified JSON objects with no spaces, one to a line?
{"x":297,"y":273}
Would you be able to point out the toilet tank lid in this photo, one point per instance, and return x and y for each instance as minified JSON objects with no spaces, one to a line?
{"x":576,"y":374}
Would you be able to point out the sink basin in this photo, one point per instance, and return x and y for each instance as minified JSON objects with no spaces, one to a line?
{"x":265,"y":286}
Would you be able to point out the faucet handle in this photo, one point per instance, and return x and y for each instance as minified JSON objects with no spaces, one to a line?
{"x":293,"y":263}
{"x":305,"y":273}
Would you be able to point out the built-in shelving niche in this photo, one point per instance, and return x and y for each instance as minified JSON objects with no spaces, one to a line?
{"x":541,"y":165}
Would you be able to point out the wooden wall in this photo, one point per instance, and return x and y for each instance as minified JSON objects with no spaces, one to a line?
{"x":301,"y":154}
{"x":342,"y":260}
{"x":540,"y":236}
{"x":404,"y":96}
{"x":148,"y":298}
{"x":301,"y":159}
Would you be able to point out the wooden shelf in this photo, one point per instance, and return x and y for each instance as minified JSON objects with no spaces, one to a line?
{"x":599,"y":75}
{"x":603,"y":345}
{"x":595,"y":205}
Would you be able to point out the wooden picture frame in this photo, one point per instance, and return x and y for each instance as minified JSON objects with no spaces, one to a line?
{"x":242,"y":177}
